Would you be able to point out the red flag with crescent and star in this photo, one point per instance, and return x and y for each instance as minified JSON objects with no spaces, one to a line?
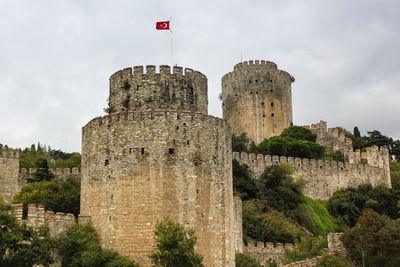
{"x":162,"y":25}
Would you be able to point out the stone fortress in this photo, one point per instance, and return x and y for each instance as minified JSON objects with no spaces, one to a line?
{"x":158,"y":153}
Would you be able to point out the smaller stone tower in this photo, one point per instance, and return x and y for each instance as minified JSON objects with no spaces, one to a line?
{"x":9,"y":168}
{"x":257,"y":99}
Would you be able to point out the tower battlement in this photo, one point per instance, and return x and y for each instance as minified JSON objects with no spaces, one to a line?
{"x":10,"y":153}
{"x":145,"y":88}
{"x":257,"y":99}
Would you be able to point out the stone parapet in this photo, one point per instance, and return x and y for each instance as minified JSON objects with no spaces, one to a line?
{"x":322,"y":177}
{"x":263,"y":251}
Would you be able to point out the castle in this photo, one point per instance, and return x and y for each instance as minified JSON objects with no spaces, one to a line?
{"x":159,"y":154}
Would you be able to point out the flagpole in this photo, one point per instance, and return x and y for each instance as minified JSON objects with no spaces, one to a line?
{"x":172,"y":58}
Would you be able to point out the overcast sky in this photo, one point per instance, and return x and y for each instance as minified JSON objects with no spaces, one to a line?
{"x":56,"y":58}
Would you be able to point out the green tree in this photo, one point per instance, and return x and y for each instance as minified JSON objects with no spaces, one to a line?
{"x":240,"y":142}
{"x":356,"y":132}
{"x":348,"y":204}
{"x":374,"y":241}
{"x":307,"y":247}
{"x":244,"y":185}
{"x":267,"y":226}
{"x":279,"y":190}
{"x":299,"y":133}
{"x":243,"y":260}
{"x":42,"y":172}
{"x":21,"y":245}
{"x":290,"y":147}
{"x":79,"y":246}
{"x":332,"y":261}
{"x":174,"y":246}
{"x":395,"y":175}
{"x":58,"y":196}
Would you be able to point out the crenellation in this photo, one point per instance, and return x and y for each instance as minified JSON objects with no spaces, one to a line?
{"x":323,"y":177}
{"x":268,"y":250}
{"x":160,"y":147}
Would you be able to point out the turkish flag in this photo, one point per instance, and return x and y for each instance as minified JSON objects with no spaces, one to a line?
{"x":162,"y":25}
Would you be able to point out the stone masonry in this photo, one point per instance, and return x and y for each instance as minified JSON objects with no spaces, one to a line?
{"x":257,"y":99}
{"x":147,"y":163}
{"x":37,"y":216}
{"x":322,"y":177}
{"x":9,"y":166}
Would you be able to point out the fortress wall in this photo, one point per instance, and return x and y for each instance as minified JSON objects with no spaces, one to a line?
{"x":322,"y":177}
{"x":37,"y":216}
{"x":61,"y":174}
{"x":257,"y":99}
{"x":238,"y":224}
{"x":138,"y":167}
{"x":9,"y":165}
{"x":136,"y":89}
{"x":263,"y":251}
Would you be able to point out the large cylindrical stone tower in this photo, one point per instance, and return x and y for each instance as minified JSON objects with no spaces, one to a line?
{"x":158,"y":154}
{"x":257,"y":99}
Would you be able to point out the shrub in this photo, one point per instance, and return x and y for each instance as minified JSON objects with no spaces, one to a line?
{"x":174,"y":246}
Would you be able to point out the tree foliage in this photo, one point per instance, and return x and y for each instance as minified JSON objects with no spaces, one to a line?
{"x":21,"y":245}
{"x":329,"y":260}
{"x":58,"y":196}
{"x":299,"y":133}
{"x":395,"y":175}
{"x":244,"y":185}
{"x":306,"y":247}
{"x":279,"y":190}
{"x":267,"y":226}
{"x":28,"y":157}
{"x":79,"y":246}
{"x":243,"y":260}
{"x":240,"y":142}
{"x":375,"y":240}
{"x":348,"y":204}
{"x":42,"y":172}
{"x":290,"y":147}
{"x":174,"y":246}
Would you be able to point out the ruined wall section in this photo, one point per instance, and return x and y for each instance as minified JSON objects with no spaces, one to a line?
{"x":9,"y":166}
{"x":37,"y":216}
{"x":134,"y":89}
{"x":138,"y":167}
{"x":374,"y":156}
{"x":263,"y":251}
{"x":333,"y":138}
{"x":322,"y":177}
{"x":257,"y":99}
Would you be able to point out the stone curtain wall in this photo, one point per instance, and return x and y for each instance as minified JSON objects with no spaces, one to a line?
{"x":257,"y":99}
{"x":139,"y":90}
{"x":138,"y":167}
{"x":322,"y":177}
{"x":264,"y":251}
{"x":37,"y":216}
{"x":9,"y":166}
